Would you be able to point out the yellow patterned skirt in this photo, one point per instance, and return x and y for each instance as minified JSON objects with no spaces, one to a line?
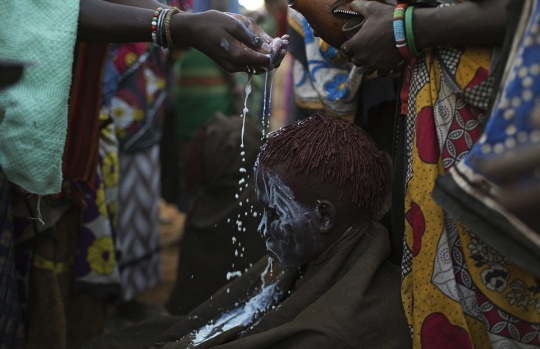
{"x":457,"y":291}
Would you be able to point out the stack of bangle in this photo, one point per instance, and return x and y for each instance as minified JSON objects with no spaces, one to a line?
{"x":168,"y":26}
{"x":161,"y":21}
{"x":403,"y":31}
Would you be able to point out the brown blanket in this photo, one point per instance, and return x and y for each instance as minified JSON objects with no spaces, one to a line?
{"x":348,"y":298}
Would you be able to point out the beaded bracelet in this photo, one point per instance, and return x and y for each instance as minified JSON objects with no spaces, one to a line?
{"x":174,"y":10}
{"x":409,"y":31}
{"x":399,"y":31}
{"x":158,"y":22}
{"x":154,"y":24}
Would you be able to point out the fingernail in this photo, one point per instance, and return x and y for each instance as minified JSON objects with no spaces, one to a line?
{"x":266,"y":48}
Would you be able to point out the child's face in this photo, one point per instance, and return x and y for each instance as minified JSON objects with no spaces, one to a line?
{"x":289,"y":226}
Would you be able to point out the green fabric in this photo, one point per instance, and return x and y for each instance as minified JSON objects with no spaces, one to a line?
{"x":201,"y":90}
{"x":33,"y":113}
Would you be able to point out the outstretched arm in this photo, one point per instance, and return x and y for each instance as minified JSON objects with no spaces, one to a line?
{"x":103,"y":21}
{"x":474,"y":22}
{"x":233,"y":41}
{"x":149,"y":4}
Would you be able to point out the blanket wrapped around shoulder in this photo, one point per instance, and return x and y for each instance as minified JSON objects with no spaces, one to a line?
{"x":33,"y":113}
{"x":347,"y":298}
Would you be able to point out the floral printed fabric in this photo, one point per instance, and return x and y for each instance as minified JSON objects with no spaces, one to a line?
{"x":513,"y":126}
{"x":458,"y":292}
{"x":96,"y":257}
{"x":137,"y":105}
{"x":328,"y":81}
{"x":512,"y":131}
{"x":137,"y":108}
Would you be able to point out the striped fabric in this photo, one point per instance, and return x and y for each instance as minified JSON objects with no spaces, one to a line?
{"x":138,"y":226}
{"x":202,"y":88}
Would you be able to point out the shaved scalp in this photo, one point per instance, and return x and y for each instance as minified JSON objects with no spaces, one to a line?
{"x":332,"y":151}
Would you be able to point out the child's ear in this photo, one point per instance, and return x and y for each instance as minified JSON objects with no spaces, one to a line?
{"x":327,"y":215}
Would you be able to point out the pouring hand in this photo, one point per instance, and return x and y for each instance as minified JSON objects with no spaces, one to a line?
{"x":234,"y":41}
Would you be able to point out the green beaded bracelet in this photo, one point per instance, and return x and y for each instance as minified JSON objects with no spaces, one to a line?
{"x":409,"y":31}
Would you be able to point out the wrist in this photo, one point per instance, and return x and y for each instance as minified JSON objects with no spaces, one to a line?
{"x":182,"y":29}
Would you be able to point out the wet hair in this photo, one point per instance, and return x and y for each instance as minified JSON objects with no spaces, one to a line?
{"x":332,"y":151}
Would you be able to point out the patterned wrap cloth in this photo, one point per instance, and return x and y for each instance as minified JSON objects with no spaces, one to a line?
{"x":325,"y":81}
{"x":138,"y":72}
{"x":471,"y":193}
{"x":458,"y":292}
{"x":96,"y":264}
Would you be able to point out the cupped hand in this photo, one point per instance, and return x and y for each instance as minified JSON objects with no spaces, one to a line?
{"x":234,"y":41}
{"x":373,"y":46}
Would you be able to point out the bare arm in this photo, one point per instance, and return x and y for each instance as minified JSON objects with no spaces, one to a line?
{"x":479,"y":22}
{"x":233,"y":41}
{"x":149,"y":4}
{"x":102,"y":21}
{"x":474,"y":22}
